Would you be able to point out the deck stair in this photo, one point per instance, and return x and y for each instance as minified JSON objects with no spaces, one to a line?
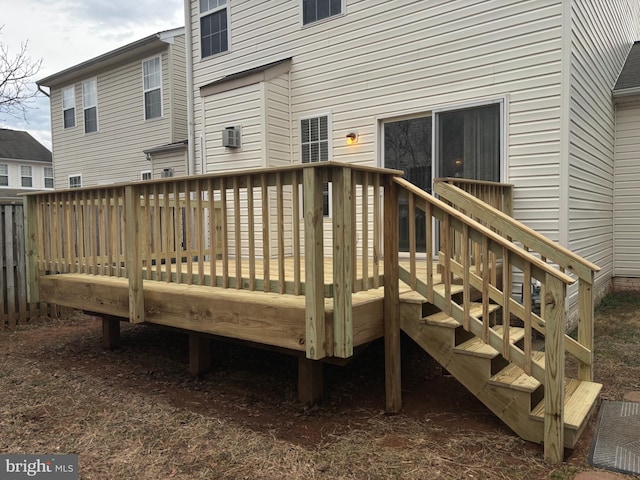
{"x":512,"y":395}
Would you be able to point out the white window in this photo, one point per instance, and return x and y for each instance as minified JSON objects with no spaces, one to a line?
{"x":48,"y":177}
{"x":75,"y":181}
{"x":146,"y":175}
{"x":314,"y":147}
{"x":214,"y":27}
{"x":152,"y":84}
{"x":90,"y":104}
{"x":315,"y":10}
{"x":69,"y":106}
{"x":26,"y":177}
{"x":4,"y":175}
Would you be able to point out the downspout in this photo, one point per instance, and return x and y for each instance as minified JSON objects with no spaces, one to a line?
{"x":191,"y":144}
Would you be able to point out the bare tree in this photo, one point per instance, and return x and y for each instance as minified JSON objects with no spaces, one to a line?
{"x":16,"y":71}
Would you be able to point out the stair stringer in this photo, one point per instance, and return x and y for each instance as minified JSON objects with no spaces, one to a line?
{"x":511,"y":406}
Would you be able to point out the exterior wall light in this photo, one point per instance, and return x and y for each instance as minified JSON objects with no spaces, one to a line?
{"x":352,"y":137}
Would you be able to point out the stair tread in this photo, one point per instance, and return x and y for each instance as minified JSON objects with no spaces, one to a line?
{"x":514,"y":377}
{"x":455,"y":288}
{"x":580,"y":398}
{"x":441,"y":319}
{"x":478,"y":348}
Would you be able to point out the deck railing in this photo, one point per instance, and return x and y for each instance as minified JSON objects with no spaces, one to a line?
{"x":470,"y":265}
{"x":263,"y":230}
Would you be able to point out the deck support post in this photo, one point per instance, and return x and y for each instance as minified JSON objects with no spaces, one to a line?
{"x":554,"y":301}
{"x":316,"y":347}
{"x":310,"y":381}
{"x":393,"y":386}
{"x":342,"y":269}
{"x":199,"y":355}
{"x":133,"y":253}
{"x":110,"y":332}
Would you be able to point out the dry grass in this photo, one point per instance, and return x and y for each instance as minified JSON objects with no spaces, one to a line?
{"x":134,"y":413}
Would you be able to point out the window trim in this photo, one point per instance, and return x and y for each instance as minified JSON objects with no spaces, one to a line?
{"x":5,"y":174}
{"x":211,"y":11}
{"x":144,"y":91}
{"x":502,"y":101}
{"x":343,"y":12}
{"x":45,"y":177}
{"x":73,"y":97}
{"x":23,"y":176}
{"x":85,"y":108}
{"x":76,"y":175}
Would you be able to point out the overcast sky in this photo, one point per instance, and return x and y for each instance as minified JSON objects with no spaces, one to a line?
{"x":64,"y":33}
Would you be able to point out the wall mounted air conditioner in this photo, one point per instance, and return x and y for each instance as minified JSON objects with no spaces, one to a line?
{"x":167,"y":172}
{"x":232,"y":137}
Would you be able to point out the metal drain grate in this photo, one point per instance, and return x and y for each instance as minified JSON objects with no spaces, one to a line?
{"x":616,"y":443}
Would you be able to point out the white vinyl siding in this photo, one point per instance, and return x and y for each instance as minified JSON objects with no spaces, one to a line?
{"x":278,"y":125}
{"x":601,"y":38}
{"x":116,"y":153}
{"x":178,"y":83}
{"x":627,"y":185}
{"x":152,"y":87}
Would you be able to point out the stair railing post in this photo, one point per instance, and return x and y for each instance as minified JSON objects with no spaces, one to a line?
{"x":585,"y":326}
{"x":133,"y":252}
{"x":393,"y":382}
{"x":554,"y":301}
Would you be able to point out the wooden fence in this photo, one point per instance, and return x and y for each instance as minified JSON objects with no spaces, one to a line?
{"x":14,"y":307}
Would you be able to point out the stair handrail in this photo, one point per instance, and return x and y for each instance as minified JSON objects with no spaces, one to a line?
{"x":546,"y":248}
{"x":551,"y":373}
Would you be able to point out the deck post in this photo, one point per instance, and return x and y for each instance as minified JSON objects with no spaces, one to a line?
{"x":342,"y":268}
{"x":314,"y":264}
{"x":393,"y":386}
{"x":133,"y":253}
{"x":310,"y":381}
{"x":110,"y":332}
{"x":554,"y":370}
{"x":31,"y":247}
{"x":585,"y":326}
{"x":199,"y":355}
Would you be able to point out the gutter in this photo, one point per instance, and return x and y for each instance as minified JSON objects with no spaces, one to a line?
{"x":42,"y":91}
{"x":191,"y":134}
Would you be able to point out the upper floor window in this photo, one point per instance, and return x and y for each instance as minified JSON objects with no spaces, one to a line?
{"x":90,"y":101}
{"x":4,"y":175}
{"x":314,"y":145}
{"x":314,"y":10}
{"x":75,"y":181}
{"x":48,"y":177}
{"x":214,"y":30}
{"x":152,"y":80}
{"x":26,"y":177}
{"x":69,"y":106}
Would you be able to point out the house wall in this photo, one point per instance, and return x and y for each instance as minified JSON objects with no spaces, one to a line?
{"x":15,"y":178}
{"x":178,"y":87}
{"x":115,"y":152}
{"x":602,"y":35}
{"x":385,"y":59}
{"x":626,"y":200}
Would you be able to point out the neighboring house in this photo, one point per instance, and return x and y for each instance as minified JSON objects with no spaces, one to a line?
{"x":512,"y":91}
{"x":121,"y":116}
{"x":25,"y":165}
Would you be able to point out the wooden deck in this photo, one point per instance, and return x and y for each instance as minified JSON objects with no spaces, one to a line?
{"x":252,"y":256}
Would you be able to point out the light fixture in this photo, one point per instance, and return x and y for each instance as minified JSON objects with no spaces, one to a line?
{"x":352,"y":137}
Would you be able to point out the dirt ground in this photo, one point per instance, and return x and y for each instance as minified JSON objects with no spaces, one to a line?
{"x":134,"y":413}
